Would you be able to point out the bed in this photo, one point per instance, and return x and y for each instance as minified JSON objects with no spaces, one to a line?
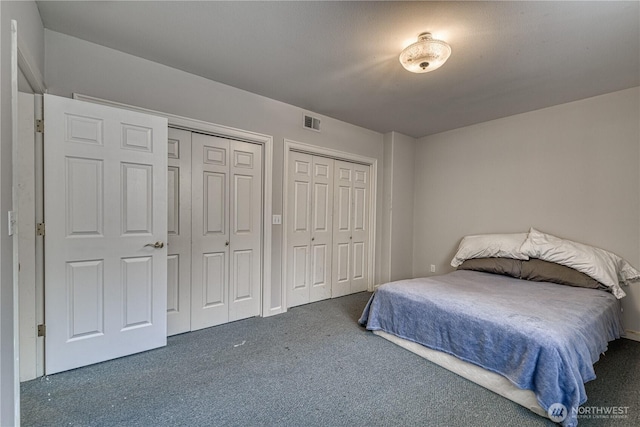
{"x":503,"y":322}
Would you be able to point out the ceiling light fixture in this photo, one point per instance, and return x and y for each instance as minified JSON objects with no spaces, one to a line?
{"x":425,"y":55}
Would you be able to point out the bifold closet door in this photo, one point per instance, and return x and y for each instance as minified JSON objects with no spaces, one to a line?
{"x":179,"y":232}
{"x":226,"y":230}
{"x":350,"y":228}
{"x":310,"y":231}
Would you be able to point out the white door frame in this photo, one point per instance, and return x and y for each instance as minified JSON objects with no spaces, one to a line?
{"x":21,"y":60}
{"x":290,"y":145}
{"x":267,"y":187}
{"x":15,"y":334}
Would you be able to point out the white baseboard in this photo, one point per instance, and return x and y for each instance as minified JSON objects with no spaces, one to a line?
{"x":631,"y":335}
{"x":274,"y":311}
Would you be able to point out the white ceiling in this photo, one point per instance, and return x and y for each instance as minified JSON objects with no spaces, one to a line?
{"x":340,"y":59}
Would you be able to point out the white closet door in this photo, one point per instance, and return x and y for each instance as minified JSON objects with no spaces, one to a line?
{"x":179,"y":230}
{"x":360,"y":229}
{"x":210,"y":231}
{"x":245,"y":230}
{"x":321,"y":229}
{"x":342,"y":228}
{"x":351,"y":228}
{"x":298,"y":228}
{"x":105,"y":176}
{"x":227,"y":217}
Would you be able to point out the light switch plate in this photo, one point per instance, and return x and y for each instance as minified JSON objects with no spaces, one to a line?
{"x":277,"y":219}
{"x":12,"y":222}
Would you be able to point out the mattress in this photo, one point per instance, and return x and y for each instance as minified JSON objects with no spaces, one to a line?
{"x":539,"y":336}
{"x":487,"y":379}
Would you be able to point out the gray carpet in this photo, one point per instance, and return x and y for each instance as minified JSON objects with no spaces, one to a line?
{"x":313,"y":366}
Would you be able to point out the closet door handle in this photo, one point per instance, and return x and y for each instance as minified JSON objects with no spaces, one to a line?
{"x":313,"y":238}
{"x":226,"y":243}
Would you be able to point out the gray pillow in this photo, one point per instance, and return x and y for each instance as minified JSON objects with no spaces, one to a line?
{"x":538,"y":270}
{"x":505,"y":266}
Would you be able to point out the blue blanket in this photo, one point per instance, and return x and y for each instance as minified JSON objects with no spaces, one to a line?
{"x":541,"y":336}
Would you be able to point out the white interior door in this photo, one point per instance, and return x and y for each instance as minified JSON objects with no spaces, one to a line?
{"x":310,"y":231}
{"x":105,"y":208}
{"x":342,"y":228}
{"x":351,"y":228}
{"x":210,"y":231}
{"x":321,"y":229}
{"x":245,"y":241}
{"x":360,"y":229}
{"x":179,"y":232}
{"x":299,"y":228}
{"x":226,"y":230}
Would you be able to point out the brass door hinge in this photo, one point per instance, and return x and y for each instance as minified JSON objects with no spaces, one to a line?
{"x":40,"y":229}
{"x":39,"y":126}
{"x":42,"y":330}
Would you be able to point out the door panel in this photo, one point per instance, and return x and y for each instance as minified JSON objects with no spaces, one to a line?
{"x":319,"y":275}
{"x":300,"y":265}
{"x":242,"y":205}
{"x":322,"y":229}
{"x":210,"y":231}
{"x":342,"y":209}
{"x":243,"y":261}
{"x":179,"y":230}
{"x":351,"y":234}
{"x":137,"y":203}
{"x":105,"y":199}
{"x":215,"y":203}
{"x":298,"y":228}
{"x":85,"y":186}
{"x":227,"y":230}
{"x":360,"y":234}
{"x":137,"y":288}
{"x":173,"y":200}
{"x":215,"y":279}
{"x":173,"y":286}
{"x":342,"y":266}
{"x":86,"y":291}
{"x":301,"y":199}
{"x":246,"y":225}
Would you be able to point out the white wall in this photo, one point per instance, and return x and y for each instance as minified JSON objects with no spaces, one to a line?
{"x":30,"y":33}
{"x":74,"y":65}
{"x":570,"y":170}
{"x":397,"y":230}
{"x":385,"y":215}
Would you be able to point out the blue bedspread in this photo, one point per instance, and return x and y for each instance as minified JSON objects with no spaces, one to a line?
{"x":541,"y":336}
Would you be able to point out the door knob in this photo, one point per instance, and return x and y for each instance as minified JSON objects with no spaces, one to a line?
{"x":226,"y":243}
{"x":156,"y":245}
{"x":313,"y":238}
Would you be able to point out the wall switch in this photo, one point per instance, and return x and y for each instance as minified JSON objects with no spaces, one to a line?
{"x":433,"y":268}
{"x":277,"y":219}
{"x":11,"y":217}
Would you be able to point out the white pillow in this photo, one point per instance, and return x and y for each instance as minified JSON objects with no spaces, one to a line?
{"x":490,"y":246}
{"x":605,"y":267}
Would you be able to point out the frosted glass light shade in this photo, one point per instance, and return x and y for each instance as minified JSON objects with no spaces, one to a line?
{"x":425,"y":55}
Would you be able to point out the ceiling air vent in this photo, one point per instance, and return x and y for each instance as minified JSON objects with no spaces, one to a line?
{"x":311,"y":123}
